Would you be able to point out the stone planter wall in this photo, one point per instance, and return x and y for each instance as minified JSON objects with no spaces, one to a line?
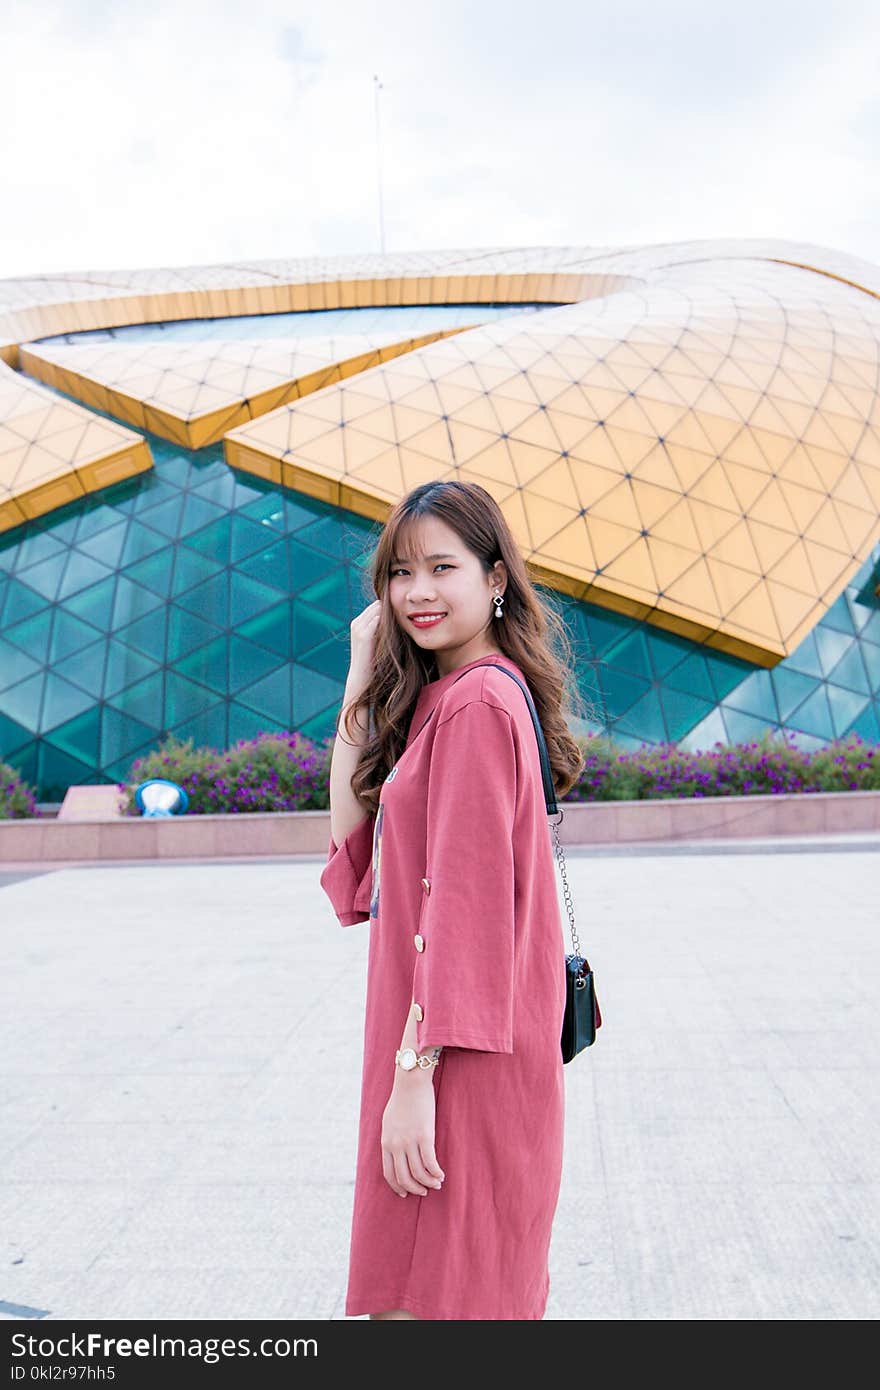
{"x":259,"y":835}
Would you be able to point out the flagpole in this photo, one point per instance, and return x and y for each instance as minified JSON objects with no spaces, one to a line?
{"x":377,"y":87}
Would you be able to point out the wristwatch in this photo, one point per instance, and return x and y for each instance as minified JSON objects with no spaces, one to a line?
{"x":407,"y":1059}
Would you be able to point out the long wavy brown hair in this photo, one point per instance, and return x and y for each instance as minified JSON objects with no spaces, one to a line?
{"x":531,"y":633}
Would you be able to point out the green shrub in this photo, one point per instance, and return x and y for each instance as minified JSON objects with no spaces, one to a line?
{"x":17,"y":799}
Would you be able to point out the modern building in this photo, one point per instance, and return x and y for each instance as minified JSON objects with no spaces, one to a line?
{"x":195,"y":463}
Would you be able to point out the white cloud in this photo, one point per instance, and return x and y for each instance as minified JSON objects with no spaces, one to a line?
{"x":157,"y":134}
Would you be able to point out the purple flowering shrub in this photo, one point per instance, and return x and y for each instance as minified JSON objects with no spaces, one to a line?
{"x":272,"y":772}
{"x":16,"y":797}
{"x":290,"y":772}
{"x":769,"y":765}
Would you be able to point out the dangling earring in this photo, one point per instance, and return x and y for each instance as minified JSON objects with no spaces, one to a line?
{"x":498,"y":599}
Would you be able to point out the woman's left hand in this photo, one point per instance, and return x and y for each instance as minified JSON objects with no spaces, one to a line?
{"x":408,"y":1158}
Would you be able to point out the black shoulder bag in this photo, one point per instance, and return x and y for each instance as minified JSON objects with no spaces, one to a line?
{"x":582,"y":1016}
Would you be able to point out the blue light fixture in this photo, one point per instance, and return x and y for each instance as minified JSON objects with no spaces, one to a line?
{"x":159,"y":797}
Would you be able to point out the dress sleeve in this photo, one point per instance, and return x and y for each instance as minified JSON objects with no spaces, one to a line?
{"x":463,"y":976}
{"x":347,"y":877}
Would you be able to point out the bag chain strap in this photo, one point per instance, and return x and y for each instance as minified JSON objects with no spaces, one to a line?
{"x":566,"y":891}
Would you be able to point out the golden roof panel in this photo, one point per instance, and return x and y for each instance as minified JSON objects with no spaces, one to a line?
{"x":687,"y":433}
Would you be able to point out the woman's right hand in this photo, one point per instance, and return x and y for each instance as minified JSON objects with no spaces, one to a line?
{"x":363,"y":643}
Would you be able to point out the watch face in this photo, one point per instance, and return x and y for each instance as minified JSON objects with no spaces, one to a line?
{"x":408,"y":1058}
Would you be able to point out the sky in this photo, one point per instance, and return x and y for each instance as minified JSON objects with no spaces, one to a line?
{"x":154,"y":134}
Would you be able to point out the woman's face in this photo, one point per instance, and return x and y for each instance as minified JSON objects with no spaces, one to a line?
{"x":445,"y":577}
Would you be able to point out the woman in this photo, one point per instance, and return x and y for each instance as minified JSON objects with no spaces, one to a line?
{"x":461,"y":1120}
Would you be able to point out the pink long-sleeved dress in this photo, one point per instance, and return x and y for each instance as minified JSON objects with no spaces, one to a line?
{"x":456,"y":875}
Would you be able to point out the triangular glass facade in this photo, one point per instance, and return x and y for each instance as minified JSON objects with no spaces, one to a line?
{"x":200,"y":601}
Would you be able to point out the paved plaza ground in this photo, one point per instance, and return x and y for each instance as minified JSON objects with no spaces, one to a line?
{"x":180,"y":1063}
